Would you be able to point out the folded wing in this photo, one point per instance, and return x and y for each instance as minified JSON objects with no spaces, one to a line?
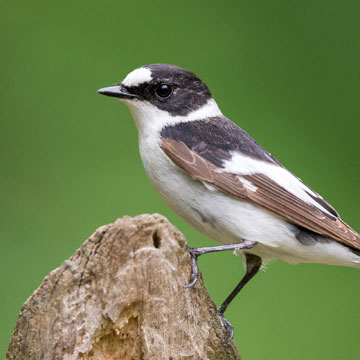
{"x":263,"y":191}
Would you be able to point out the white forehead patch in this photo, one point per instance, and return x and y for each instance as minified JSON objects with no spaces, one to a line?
{"x":137,"y":77}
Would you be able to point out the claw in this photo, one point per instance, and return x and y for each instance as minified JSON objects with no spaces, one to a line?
{"x":228,"y":327}
{"x":195,"y":269}
{"x":188,"y":286}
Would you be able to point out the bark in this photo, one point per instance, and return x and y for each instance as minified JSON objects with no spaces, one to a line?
{"x":120,"y":296}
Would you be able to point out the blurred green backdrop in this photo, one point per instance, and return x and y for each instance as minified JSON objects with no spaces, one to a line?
{"x":286,"y":71}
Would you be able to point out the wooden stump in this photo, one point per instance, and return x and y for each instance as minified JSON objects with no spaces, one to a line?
{"x":121,"y":296}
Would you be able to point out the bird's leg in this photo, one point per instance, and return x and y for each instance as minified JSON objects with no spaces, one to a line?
{"x":253,"y":264}
{"x":196,"y":252}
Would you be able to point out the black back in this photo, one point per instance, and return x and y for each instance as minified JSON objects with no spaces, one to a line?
{"x":216,"y":138}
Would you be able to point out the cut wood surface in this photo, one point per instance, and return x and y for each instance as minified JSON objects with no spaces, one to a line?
{"x":121,"y":296}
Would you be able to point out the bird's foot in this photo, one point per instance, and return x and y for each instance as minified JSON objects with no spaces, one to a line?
{"x":228,"y":327}
{"x":194,"y":253}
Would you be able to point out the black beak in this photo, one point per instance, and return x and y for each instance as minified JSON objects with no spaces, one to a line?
{"x":117,"y":91}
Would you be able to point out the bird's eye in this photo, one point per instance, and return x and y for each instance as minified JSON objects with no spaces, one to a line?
{"x":163,"y":90}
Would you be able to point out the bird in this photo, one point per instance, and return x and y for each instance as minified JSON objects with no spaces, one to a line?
{"x":217,"y":178}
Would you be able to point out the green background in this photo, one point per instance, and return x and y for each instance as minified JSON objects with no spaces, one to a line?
{"x":285,"y":71}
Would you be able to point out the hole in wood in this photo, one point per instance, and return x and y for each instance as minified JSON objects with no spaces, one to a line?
{"x":156,"y":239}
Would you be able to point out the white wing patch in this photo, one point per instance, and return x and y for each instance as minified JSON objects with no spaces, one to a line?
{"x":137,"y":77}
{"x":243,"y":165}
{"x":248,"y":184}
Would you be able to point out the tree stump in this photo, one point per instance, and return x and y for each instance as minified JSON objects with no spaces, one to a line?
{"x":121,"y":296}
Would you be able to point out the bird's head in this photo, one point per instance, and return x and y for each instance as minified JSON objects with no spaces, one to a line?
{"x":160,"y":92}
